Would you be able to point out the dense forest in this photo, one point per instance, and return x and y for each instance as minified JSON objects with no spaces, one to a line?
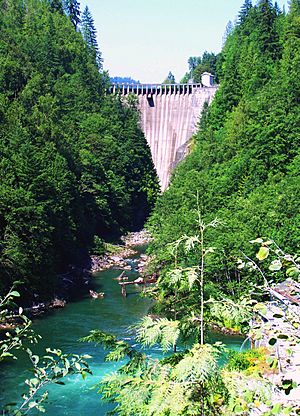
{"x":245,"y":159}
{"x":74,"y":161}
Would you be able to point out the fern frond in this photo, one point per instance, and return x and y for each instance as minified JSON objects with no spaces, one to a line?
{"x":190,"y":242}
{"x":192,"y":276}
{"x":230,"y":313}
{"x":197,"y":366}
{"x":118,"y":349}
{"x":175,"y":276}
{"x":162,"y":331}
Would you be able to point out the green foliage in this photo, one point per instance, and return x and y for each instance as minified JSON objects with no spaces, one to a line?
{"x":72,"y":8}
{"x":89,"y":34}
{"x":246,"y":393}
{"x":48,"y":369}
{"x":250,"y":360}
{"x":18,"y":335}
{"x":208,"y":62}
{"x":234,"y":315}
{"x":119,"y":349}
{"x":74,"y":161}
{"x":98,"y":246}
{"x":189,"y":383}
{"x":245,"y":164}
{"x":159,"y":330}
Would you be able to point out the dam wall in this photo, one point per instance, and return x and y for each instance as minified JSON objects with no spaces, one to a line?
{"x":169,"y":117}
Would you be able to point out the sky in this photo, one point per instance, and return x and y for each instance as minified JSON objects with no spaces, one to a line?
{"x":145,"y":39}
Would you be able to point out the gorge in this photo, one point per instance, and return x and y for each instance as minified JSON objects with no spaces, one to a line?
{"x":78,"y":167}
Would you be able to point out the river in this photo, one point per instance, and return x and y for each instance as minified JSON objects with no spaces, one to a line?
{"x":63,"y":328}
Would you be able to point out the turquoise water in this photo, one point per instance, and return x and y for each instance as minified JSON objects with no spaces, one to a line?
{"x":63,"y":328}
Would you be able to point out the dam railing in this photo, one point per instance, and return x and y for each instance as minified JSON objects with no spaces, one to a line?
{"x":156,"y":89}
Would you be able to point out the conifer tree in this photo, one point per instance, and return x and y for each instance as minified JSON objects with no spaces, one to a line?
{"x":72,"y":8}
{"x":193,"y":61}
{"x":89,"y":34}
{"x":244,"y":11}
{"x":228,"y":30}
{"x":170,"y":79}
{"x":268,"y":38}
{"x":56,"y":5}
{"x":277,"y":8}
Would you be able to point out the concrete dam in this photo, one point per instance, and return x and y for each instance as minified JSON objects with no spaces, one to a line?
{"x":169,"y":117}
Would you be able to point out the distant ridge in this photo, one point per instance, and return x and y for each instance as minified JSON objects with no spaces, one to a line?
{"x":123,"y":80}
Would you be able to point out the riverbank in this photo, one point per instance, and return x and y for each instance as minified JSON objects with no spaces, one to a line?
{"x":117,"y":258}
{"x":79,"y":278}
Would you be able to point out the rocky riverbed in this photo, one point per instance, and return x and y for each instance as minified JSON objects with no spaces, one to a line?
{"x":117,"y":259}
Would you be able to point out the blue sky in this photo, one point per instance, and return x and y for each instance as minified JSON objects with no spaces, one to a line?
{"x":145,"y":39}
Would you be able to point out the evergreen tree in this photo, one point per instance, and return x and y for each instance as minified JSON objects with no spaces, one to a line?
{"x":244,"y":11}
{"x":56,"y":5}
{"x":72,"y":8}
{"x":277,"y":8}
{"x":228,"y":30}
{"x":89,"y":34}
{"x":199,"y":64}
{"x":170,"y":79}
{"x":193,"y":61}
{"x":267,"y":36}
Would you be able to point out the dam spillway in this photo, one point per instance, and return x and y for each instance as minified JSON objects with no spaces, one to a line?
{"x":169,"y":117}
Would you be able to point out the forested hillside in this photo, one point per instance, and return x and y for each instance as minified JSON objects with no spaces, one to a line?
{"x":245,"y":159}
{"x":74,"y":161}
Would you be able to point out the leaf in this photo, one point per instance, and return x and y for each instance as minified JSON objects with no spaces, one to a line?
{"x":257,"y":240}
{"x":283,"y":336}
{"x":190,"y":243}
{"x":175,"y":276}
{"x":261,"y":307}
{"x":192,"y":277}
{"x":241,"y":265}
{"x":275,"y":265}
{"x":35,"y":359}
{"x":272,"y":341}
{"x":263,"y":253}
{"x":292,"y":271}
{"x":277,"y":315}
{"x":15,"y":294}
{"x":272,"y":362}
{"x":78,"y":366}
{"x":34,"y":381}
{"x":276,"y":409}
{"x":6,"y":354}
